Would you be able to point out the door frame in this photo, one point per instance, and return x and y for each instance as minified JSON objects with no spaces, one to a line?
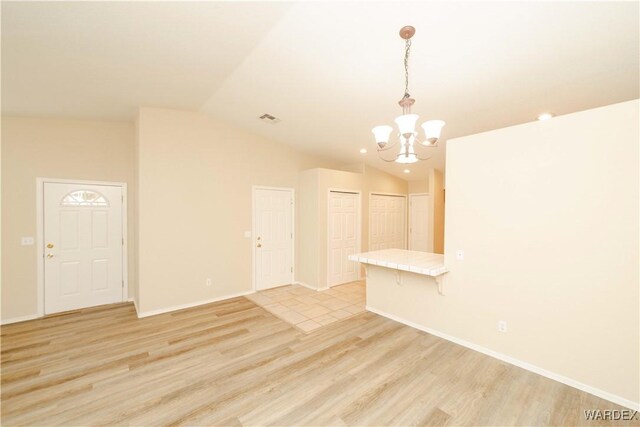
{"x":411,"y":195}
{"x":379,"y":193}
{"x":253,"y":230}
{"x":40,"y":182}
{"x":358,"y":227}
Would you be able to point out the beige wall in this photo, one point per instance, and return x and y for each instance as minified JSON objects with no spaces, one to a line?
{"x":436,"y":190}
{"x":195,"y":176}
{"x":308,"y":255}
{"x":547,"y":216}
{"x":134,"y":207}
{"x":434,"y":186}
{"x":418,"y":186}
{"x":70,"y":149}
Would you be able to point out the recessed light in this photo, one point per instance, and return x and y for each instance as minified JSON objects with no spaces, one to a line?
{"x":545,"y":116}
{"x":406,"y":171}
{"x":363,"y":151}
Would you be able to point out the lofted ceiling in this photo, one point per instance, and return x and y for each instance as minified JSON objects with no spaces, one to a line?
{"x":330,"y":71}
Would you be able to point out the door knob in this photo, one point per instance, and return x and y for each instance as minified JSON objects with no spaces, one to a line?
{"x":49,"y":255}
{"x":259,"y":245}
{"x":49,"y":245}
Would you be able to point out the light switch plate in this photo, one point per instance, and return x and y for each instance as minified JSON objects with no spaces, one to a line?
{"x":247,"y":234}
{"x":27,"y":241}
{"x":459,"y":254}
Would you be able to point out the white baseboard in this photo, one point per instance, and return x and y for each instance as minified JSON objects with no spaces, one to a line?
{"x":135,"y":305}
{"x":306,"y":285}
{"x":189,"y":305}
{"x":508,"y":359}
{"x":20,"y":319}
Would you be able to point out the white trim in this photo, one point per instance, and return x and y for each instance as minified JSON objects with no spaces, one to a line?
{"x":382,"y":193}
{"x":125,"y":244}
{"x":430,"y":245}
{"x":40,"y":181}
{"x":358,"y":228}
{"x":253,"y":230}
{"x":519,"y":363}
{"x":306,"y":285}
{"x":40,"y":246}
{"x":406,"y":208}
{"x":20,"y":319}
{"x":190,"y":305}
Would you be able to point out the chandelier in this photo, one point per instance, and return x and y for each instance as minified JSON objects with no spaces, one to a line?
{"x":407,"y":136}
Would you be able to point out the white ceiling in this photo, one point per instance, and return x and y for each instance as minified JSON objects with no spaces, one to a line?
{"x":329,"y":71}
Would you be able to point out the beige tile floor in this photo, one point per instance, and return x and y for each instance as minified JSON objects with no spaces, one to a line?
{"x":309,"y":310}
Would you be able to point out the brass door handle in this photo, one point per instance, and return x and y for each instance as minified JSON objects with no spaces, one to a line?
{"x":259,"y":245}
{"x":49,"y":255}
{"x":49,"y":245}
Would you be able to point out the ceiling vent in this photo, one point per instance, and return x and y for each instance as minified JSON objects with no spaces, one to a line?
{"x":268,"y":118}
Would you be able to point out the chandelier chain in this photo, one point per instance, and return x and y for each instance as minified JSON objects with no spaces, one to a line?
{"x":406,"y":67}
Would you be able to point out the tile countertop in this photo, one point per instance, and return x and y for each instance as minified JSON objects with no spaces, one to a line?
{"x":425,"y":263}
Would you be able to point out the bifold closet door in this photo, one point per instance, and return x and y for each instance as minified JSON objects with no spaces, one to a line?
{"x":387,"y":222}
{"x":343,"y":223}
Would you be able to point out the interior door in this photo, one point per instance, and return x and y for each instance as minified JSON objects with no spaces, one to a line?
{"x":419,"y":223}
{"x":273,"y":238}
{"x":387,"y":222}
{"x":83,"y":241}
{"x":343,"y":237}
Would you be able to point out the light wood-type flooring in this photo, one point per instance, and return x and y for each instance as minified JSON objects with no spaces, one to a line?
{"x":233,"y":363}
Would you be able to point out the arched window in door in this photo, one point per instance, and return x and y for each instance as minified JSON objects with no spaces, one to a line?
{"x":84,"y":198}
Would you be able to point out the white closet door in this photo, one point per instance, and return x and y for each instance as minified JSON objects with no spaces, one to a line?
{"x":273,"y":242}
{"x":83,"y":246}
{"x":387,"y":222}
{"x":343,"y":237}
{"x":419,"y":223}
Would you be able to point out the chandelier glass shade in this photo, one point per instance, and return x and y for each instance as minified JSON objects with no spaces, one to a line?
{"x":407,"y":136}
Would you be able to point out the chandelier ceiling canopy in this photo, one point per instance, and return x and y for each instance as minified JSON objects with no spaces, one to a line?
{"x":407,"y":137}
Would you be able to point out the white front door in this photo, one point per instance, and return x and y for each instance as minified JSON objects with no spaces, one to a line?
{"x":83,"y":242}
{"x":387,"y":222}
{"x":419,"y":223}
{"x":273,"y":237}
{"x":343,"y":237}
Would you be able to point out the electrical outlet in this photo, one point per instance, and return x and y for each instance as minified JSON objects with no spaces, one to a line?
{"x":208,"y":282}
{"x":502,"y":326}
{"x":459,"y":254}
